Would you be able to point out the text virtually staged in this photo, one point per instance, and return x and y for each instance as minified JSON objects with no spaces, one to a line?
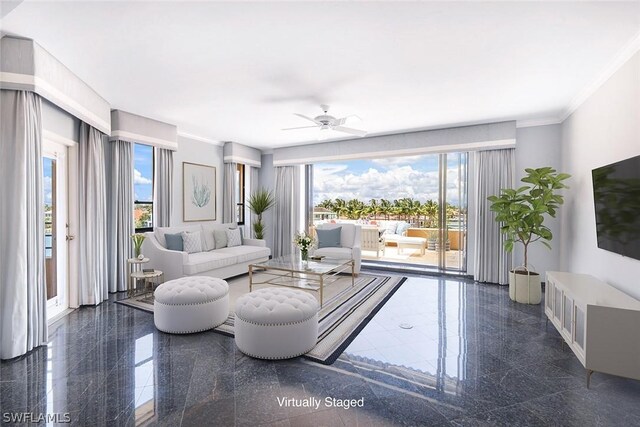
{"x":319,"y":214}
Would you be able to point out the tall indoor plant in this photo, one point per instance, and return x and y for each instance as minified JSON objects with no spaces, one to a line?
{"x":522,"y":213}
{"x":260,"y":201}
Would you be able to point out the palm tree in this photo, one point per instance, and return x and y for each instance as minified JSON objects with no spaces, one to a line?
{"x":339,"y":207}
{"x":385,"y":208}
{"x":430,"y":212}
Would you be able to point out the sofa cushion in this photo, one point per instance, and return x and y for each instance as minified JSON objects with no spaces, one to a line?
{"x":161,"y":231}
{"x":204,"y":261}
{"x":174,"y":242}
{"x":391,"y":227}
{"x":221,"y":238}
{"x":337,"y":253}
{"x":208,"y":239}
{"x":246,"y":253}
{"x":192,"y":242}
{"x":402,"y":227}
{"x":329,"y":238}
{"x":234,"y":237}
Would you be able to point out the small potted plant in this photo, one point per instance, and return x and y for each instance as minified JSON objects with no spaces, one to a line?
{"x":304,"y":242}
{"x":521,"y":213}
{"x":432,"y":238}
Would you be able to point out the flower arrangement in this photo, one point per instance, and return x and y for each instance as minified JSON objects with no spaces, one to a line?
{"x":303,"y":241}
{"x":137,"y":243}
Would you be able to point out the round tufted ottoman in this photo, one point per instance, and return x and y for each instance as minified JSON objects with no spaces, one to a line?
{"x":191,"y":304}
{"x":276,"y":323}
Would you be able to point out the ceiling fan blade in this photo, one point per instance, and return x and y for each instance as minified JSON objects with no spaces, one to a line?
{"x":300,"y":127}
{"x":352,"y":131}
{"x":308,"y":118}
{"x":343,"y":120}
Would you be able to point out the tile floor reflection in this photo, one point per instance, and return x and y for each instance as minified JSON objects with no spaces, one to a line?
{"x":441,"y":352}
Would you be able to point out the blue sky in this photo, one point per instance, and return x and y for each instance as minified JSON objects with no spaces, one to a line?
{"x":143,"y":172}
{"x":388,"y":178}
{"x":47,"y":167}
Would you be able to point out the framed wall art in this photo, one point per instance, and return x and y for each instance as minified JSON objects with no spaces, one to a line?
{"x":198,"y":192}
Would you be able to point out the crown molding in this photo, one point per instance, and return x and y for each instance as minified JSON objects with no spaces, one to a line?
{"x":618,"y":61}
{"x":538,"y":122}
{"x":200,"y":138}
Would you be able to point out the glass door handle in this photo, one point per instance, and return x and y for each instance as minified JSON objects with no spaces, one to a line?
{"x":69,"y":237}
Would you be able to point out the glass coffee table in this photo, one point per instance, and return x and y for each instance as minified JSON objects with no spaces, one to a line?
{"x":292,"y":272}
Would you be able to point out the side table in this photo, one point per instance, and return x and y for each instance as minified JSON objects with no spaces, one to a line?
{"x":135,"y":265}
{"x":151,"y":279}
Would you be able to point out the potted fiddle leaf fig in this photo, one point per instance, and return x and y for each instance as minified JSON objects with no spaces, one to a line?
{"x":260,"y":201}
{"x":522,"y":213}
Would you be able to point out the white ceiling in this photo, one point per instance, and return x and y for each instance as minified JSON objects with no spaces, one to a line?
{"x":237,"y":71}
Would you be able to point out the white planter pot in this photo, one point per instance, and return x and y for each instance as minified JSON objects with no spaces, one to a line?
{"x":525,"y":287}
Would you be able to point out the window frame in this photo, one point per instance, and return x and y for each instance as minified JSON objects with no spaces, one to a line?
{"x":240,"y":203}
{"x":153,"y":183}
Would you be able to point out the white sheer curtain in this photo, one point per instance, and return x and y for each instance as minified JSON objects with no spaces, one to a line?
{"x":163,"y":187}
{"x":229,"y":204}
{"x":23,"y":318}
{"x":287,"y":209}
{"x":493,"y":172}
{"x":92,"y":224}
{"x":254,"y":178}
{"x":120,"y":208}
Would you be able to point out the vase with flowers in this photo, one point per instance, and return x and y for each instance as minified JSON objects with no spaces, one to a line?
{"x":137,"y":244}
{"x":304,"y":242}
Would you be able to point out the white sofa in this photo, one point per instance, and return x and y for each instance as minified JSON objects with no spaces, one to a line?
{"x":222,"y":263}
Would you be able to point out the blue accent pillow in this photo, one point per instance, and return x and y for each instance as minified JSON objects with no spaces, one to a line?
{"x":402,"y":227}
{"x":329,"y":238}
{"x":174,"y":242}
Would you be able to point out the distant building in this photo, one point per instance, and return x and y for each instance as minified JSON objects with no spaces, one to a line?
{"x":323,"y":214}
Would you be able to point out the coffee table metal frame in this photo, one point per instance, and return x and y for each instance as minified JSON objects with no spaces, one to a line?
{"x":314,"y":277}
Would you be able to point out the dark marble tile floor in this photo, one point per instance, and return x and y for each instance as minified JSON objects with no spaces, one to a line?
{"x":471,"y":357}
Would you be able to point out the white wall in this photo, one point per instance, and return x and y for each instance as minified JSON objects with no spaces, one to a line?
{"x":603,"y":130}
{"x":202,"y":153}
{"x":537,"y":147}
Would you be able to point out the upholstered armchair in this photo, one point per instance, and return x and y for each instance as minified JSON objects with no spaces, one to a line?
{"x":349,"y":244}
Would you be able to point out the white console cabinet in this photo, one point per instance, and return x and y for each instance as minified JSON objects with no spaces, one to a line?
{"x":600,"y":323}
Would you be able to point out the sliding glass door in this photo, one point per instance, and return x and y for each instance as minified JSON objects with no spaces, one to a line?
{"x":412,"y":209}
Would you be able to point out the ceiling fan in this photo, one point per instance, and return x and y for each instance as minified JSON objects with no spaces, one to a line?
{"x":326,"y":122}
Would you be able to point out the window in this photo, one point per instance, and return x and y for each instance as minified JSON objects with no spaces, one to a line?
{"x":240,"y":194}
{"x":143,"y":187}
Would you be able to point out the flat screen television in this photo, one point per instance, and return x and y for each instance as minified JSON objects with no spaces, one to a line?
{"x":616,"y":193}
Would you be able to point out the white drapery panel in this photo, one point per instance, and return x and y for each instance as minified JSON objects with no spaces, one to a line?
{"x":23,"y":318}
{"x":229,"y":204}
{"x":254,"y":178}
{"x":92,"y":221}
{"x":120,"y":208}
{"x":163,"y":187}
{"x":287,"y":209}
{"x":493,"y":172}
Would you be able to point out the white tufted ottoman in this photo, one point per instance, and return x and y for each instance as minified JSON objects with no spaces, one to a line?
{"x":276,"y":323}
{"x":191,"y":304}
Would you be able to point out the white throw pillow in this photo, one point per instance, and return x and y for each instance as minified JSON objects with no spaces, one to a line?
{"x":234,"y":238}
{"x":192,"y":242}
{"x":208,"y":241}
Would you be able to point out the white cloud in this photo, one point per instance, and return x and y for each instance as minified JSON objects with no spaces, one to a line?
{"x":403,"y":181}
{"x":398,"y":161}
{"x":46,"y":186}
{"x":139,"y":179}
